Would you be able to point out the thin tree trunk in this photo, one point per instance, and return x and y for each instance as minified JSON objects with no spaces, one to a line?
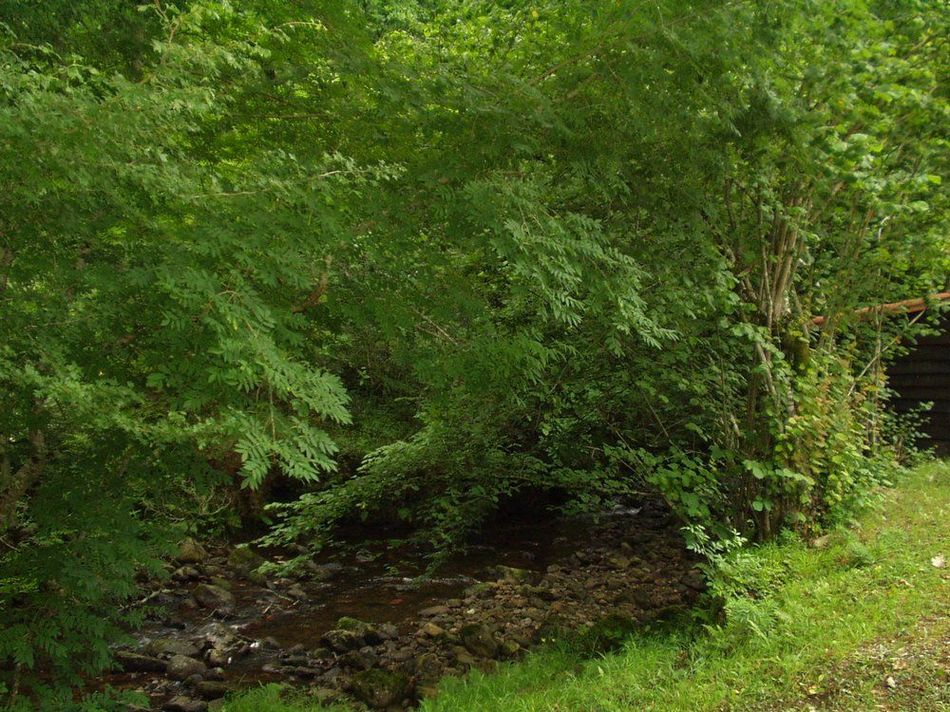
{"x":14,"y":485}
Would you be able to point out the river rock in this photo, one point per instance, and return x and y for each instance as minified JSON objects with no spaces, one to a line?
{"x":433,"y":611}
{"x":136,"y":662}
{"x":431,"y":630}
{"x":190,"y":552}
{"x":379,"y":688}
{"x":367,"y":631}
{"x":214,"y":597}
{"x":618,"y":561}
{"x":185,"y":573}
{"x":219,"y":635}
{"x":388,"y":631}
{"x":342,"y":641}
{"x":166,"y":647}
{"x":181,"y":703}
{"x":181,"y":667}
{"x":428,"y":667}
{"x":479,"y":640}
{"x":362,"y":659}
{"x":219,"y":657}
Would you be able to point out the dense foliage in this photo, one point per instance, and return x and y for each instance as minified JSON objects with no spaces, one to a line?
{"x":424,"y":256}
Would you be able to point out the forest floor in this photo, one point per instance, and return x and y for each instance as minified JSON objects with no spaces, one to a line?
{"x":860,"y":621}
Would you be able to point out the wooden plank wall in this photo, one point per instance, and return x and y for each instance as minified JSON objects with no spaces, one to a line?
{"x":924,"y":375}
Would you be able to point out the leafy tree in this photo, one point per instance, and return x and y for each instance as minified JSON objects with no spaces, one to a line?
{"x":425,"y":256}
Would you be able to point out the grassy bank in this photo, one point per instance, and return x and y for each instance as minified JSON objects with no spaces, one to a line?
{"x":863,"y":622}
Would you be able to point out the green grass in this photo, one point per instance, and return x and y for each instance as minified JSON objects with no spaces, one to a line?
{"x":861,"y":624}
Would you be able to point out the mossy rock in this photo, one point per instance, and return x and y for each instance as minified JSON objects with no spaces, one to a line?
{"x":342,"y":641}
{"x":380,"y":688}
{"x":367,"y":631}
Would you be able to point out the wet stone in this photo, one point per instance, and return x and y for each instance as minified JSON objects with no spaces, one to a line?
{"x":136,"y":662}
{"x":342,"y":641}
{"x":431,"y":630}
{"x":166,"y":647}
{"x":214,"y":597}
{"x":366,"y":631}
{"x":181,"y":667}
{"x":219,"y":658}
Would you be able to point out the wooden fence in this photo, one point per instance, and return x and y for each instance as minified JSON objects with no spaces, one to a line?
{"x":923,"y":376}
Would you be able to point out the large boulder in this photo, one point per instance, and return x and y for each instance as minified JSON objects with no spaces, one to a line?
{"x":379,"y":688}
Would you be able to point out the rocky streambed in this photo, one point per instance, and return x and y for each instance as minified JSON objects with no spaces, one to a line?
{"x":367,"y":630}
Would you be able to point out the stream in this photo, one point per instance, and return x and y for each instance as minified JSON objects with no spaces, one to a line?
{"x":364,"y":626}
